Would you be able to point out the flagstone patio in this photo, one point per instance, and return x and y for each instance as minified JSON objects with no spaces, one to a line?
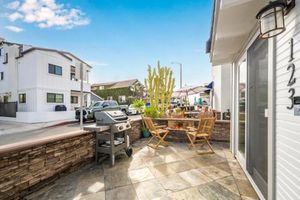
{"x":173,"y":172}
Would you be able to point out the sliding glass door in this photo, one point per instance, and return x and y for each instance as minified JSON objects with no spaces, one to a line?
{"x":257,"y":137}
{"x":242,"y":105}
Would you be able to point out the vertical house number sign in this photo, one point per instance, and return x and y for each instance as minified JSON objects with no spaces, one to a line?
{"x":292,"y":80}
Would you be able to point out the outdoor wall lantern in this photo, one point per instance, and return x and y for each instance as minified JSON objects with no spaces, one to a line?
{"x":271,"y":17}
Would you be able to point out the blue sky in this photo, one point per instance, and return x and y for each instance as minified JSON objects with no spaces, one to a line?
{"x":118,"y":37}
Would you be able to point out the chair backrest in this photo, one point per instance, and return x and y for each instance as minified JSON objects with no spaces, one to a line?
{"x":177,"y":115}
{"x":207,"y":114}
{"x":206,"y":125}
{"x":149,"y":124}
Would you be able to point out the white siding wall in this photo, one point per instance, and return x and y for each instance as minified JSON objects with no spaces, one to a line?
{"x":9,"y":84}
{"x":287,"y":125}
{"x":33,"y":70}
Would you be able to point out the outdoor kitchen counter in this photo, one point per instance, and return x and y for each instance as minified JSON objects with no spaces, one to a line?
{"x":37,"y":142}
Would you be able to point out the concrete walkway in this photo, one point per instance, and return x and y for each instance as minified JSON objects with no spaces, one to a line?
{"x":173,"y":172}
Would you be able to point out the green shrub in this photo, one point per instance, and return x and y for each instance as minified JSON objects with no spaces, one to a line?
{"x":151,"y":112}
{"x":138,"y":105}
{"x":177,"y":110}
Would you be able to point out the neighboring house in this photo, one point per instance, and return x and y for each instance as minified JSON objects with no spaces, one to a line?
{"x":265,"y":90}
{"x":221,"y":76}
{"x":39,"y":79}
{"x":122,"y":91}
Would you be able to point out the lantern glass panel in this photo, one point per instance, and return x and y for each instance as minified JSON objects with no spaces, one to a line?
{"x":272,"y":22}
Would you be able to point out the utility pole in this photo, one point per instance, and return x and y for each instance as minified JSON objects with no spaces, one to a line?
{"x":81,"y":96}
{"x":180,"y":65}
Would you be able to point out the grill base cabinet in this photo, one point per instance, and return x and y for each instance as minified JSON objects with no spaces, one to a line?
{"x":110,"y":144}
{"x":111,"y":134}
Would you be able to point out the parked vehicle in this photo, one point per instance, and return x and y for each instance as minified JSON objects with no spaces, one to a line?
{"x":132,"y":110}
{"x":124,"y":108}
{"x":89,"y":112}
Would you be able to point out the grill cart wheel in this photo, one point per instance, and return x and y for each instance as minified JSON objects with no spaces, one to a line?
{"x":128,"y":151}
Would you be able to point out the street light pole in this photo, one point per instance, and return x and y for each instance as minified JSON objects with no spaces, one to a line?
{"x":81,"y":95}
{"x":180,"y":75}
{"x":180,"y":65}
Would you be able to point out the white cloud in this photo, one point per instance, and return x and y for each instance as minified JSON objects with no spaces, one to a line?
{"x":14,"y":16}
{"x":97,"y":64}
{"x":14,"y":29}
{"x":13,"y":5}
{"x":47,"y":13}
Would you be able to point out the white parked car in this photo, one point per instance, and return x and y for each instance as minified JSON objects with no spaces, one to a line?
{"x":132,"y":110}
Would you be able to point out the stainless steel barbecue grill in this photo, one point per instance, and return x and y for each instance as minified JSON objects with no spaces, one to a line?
{"x":111,"y":133}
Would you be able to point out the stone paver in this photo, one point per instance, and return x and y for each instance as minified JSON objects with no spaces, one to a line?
{"x":194,"y":177}
{"x":149,"y":190}
{"x":139,"y":175}
{"x":173,"y":172}
{"x":121,"y":193}
{"x":173,"y":183}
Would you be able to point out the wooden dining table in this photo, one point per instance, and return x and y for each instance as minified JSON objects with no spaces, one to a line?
{"x":178,"y":124}
{"x":191,"y":114}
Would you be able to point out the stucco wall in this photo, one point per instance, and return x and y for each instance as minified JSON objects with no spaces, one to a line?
{"x":221,"y":76}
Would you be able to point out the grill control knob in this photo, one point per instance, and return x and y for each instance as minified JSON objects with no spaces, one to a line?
{"x":120,"y":127}
{"x":127,"y":126}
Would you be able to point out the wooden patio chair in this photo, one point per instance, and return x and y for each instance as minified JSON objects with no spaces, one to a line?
{"x":156,"y":133}
{"x":202,"y":133}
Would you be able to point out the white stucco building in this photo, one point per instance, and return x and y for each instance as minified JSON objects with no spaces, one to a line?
{"x":39,"y":79}
{"x":265,"y":90}
{"x":221,"y":76}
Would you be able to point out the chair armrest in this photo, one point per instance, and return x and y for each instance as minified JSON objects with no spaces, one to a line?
{"x":161,"y":126}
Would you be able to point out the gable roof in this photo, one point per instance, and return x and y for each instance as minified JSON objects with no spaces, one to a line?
{"x":117,"y":84}
{"x":62,"y":53}
{"x":43,"y":49}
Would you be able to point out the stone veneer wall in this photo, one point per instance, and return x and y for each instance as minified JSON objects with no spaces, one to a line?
{"x":27,"y":166}
{"x":135,"y":132}
{"x":220,"y":133}
{"x":22,"y":169}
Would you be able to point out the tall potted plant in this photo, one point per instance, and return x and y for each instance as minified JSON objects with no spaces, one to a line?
{"x":139,"y":106}
{"x":159,"y":86}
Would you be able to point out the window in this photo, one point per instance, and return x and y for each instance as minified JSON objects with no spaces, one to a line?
{"x":122,"y":99}
{"x":54,"y":69}
{"x":55,"y":98}
{"x":74,"y":99}
{"x":101,"y":87}
{"x":1,"y":52}
{"x":5,"y":59}
{"x":96,"y":104}
{"x":113,"y":103}
{"x":1,"y":76}
{"x":105,"y":104}
{"x":73,"y":73}
{"x":22,"y":98}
